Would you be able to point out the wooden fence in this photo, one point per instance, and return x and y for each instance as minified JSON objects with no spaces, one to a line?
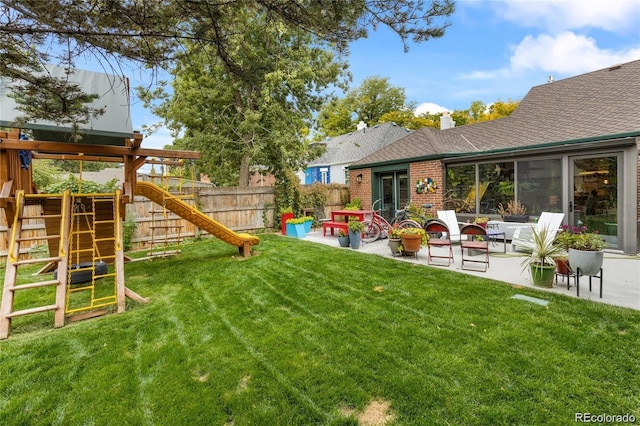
{"x":240,"y":209}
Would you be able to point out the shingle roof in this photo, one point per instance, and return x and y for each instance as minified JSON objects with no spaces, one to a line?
{"x":590,"y":106}
{"x":353,"y":146}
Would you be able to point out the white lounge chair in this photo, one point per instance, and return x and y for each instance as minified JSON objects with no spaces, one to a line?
{"x":449,"y":217}
{"x":547,"y":220}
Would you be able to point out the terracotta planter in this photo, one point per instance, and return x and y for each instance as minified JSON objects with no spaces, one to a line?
{"x":411,"y":242}
{"x":562,"y":265}
{"x":589,"y":262}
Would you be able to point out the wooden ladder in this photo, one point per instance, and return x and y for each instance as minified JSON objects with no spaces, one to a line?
{"x":13,"y":262}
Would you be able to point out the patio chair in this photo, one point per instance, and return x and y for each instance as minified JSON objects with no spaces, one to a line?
{"x":474,"y":231}
{"x":435,"y":228}
{"x":450,"y":219}
{"x":551,"y":222}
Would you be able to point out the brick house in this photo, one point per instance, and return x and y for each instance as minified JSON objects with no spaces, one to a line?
{"x":571,"y":146}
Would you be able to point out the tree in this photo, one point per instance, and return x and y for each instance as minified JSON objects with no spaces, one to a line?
{"x":478,"y":112}
{"x":157,"y":33}
{"x":368,"y":102}
{"x":334,"y":119}
{"x":256,"y":118}
{"x":407,"y":119}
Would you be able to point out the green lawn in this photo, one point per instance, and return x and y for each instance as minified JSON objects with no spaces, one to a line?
{"x":302,"y":333}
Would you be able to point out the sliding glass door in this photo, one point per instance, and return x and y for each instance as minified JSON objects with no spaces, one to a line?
{"x":594,"y":194}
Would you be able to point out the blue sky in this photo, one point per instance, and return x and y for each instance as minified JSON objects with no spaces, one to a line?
{"x":494,"y":50}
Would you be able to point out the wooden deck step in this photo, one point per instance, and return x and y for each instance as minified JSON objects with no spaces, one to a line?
{"x":32,"y":311}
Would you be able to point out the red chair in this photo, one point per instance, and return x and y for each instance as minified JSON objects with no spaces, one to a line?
{"x":435,"y":230}
{"x":482,"y":245}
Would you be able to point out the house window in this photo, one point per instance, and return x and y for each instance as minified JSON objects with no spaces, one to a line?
{"x":496,"y":185}
{"x":540,"y":185}
{"x":535,"y":183}
{"x":324,"y":175}
{"x":460,"y":190}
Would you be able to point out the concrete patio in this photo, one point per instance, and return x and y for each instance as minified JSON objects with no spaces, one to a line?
{"x":621,"y":273}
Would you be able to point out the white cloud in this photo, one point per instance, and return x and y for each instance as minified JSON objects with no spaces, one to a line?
{"x":559,"y":15}
{"x":431,"y":108}
{"x":566,"y":53}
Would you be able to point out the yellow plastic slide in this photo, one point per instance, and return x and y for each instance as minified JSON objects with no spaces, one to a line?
{"x":160,"y":196}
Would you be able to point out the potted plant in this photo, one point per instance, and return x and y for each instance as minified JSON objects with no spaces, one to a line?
{"x":481,"y":221}
{"x":285,"y":214}
{"x":355,"y":233}
{"x":295,"y":227}
{"x":308,"y":222}
{"x":395,"y":242}
{"x":514,"y":212}
{"x":586,"y":249}
{"x":343,"y":238}
{"x":540,"y":261}
{"x":413,"y":239}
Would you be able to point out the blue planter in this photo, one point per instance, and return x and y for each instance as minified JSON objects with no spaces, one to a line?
{"x":354,"y":239}
{"x":296,"y":230}
{"x":307,"y":226}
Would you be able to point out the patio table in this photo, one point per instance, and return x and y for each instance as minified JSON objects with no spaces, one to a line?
{"x":493,"y":235}
{"x":360,"y":214}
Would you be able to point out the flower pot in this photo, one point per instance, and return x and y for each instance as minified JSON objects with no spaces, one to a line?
{"x":283,"y":222}
{"x":343,"y":241}
{"x":354,"y":239}
{"x":411,"y":242}
{"x":296,"y":230}
{"x":394,"y":243}
{"x":562,"y":265}
{"x":543,"y":275}
{"x":516,"y":218}
{"x":307,"y":226}
{"x":589,"y":262}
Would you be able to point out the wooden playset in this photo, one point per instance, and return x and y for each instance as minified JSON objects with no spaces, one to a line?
{"x":83,"y":231}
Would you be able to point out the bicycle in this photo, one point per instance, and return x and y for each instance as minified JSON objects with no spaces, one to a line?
{"x":422,"y":217}
{"x":378,"y":227}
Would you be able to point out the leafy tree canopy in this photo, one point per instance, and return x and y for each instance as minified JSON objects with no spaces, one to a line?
{"x":157,"y":33}
{"x":478,"y":112}
{"x":257,"y":119}
{"x":374,"y":98}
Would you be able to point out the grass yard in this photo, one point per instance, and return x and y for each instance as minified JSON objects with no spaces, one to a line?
{"x":302,"y":333}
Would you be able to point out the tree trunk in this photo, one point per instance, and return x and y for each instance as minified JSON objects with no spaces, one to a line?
{"x":243,"y":180}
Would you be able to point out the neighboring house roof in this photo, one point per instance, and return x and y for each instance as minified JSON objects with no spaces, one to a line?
{"x":602,"y":104}
{"x":103,"y":176}
{"x":353,"y":146}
